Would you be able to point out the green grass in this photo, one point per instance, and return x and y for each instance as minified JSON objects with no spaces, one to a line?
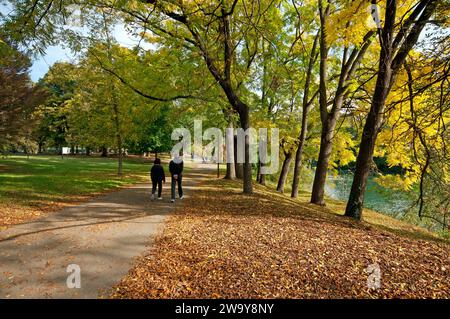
{"x":41,"y":180}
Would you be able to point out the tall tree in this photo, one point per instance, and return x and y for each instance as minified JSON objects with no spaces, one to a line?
{"x":235,"y":25}
{"x":350,"y":21}
{"x":395,"y":44}
{"x":18,"y":95}
{"x":306,"y":106}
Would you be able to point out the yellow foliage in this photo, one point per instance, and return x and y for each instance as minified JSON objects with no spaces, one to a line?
{"x":348,"y":25}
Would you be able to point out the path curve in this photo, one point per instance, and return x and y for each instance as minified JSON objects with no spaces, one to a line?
{"x":101,"y":236}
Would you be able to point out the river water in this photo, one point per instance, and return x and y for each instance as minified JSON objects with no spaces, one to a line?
{"x":394,"y":203}
{"x":387,"y":201}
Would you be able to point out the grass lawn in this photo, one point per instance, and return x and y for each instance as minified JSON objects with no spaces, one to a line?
{"x":30,"y":187}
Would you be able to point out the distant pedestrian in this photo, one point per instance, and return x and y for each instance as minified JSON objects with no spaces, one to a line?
{"x":176,"y":170}
{"x":158,"y":177}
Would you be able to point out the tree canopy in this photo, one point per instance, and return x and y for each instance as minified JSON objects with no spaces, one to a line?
{"x":342,"y":87}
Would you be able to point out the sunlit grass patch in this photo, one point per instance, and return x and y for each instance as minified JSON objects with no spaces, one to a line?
{"x":29,"y":187}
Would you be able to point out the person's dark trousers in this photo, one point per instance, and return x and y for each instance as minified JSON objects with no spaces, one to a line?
{"x":159,"y":184}
{"x":180,"y":188}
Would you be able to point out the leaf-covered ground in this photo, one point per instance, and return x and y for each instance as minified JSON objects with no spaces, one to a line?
{"x":223,"y":244}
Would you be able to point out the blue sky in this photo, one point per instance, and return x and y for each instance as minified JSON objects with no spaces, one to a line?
{"x":54,"y":54}
{"x":41,"y":63}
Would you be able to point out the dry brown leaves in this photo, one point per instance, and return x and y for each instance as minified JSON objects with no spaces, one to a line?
{"x":222,"y":244}
{"x":13,"y":214}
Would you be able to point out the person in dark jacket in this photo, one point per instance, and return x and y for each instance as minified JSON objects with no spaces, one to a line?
{"x":176,"y":170}
{"x":157,"y":175}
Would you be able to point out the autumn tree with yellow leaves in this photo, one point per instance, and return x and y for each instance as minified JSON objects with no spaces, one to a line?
{"x":312,"y":68}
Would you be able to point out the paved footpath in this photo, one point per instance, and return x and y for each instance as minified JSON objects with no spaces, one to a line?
{"x":101,"y":236}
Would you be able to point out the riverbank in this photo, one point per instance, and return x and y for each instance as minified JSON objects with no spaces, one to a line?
{"x":395,"y":205}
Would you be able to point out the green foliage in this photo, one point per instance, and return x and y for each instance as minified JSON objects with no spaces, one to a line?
{"x":18,"y":99}
{"x":52,"y":129}
{"x":151,"y":134}
{"x":193,"y":69}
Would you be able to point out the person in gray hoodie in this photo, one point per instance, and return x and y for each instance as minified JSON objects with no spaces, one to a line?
{"x":176,"y":171}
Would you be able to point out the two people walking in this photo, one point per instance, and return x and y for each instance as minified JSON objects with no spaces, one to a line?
{"x":158,"y":177}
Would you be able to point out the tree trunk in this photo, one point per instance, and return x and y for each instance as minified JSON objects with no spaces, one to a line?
{"x":306,"y":107}
{"x":88,"y":151}
{"x":104,"y":152}
{"x":284,"y":171}
{"x":325,"y":140}
{"x":120,"y":159}
{"x":224,"y":77}
{"x":356,"y":198}
{"x":231,"y":170}
{"x":245,"y":123}
{"x":299,"y":152}
{"x":320,"y":176}
{"x":258,"y":172}
{"x":297,"y":167}
{"x":115,"y":103}
{"x":118,"y":136}
{"x":262,"y":177}
{"x":238,"y":167}
{"x":247,"y":178}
